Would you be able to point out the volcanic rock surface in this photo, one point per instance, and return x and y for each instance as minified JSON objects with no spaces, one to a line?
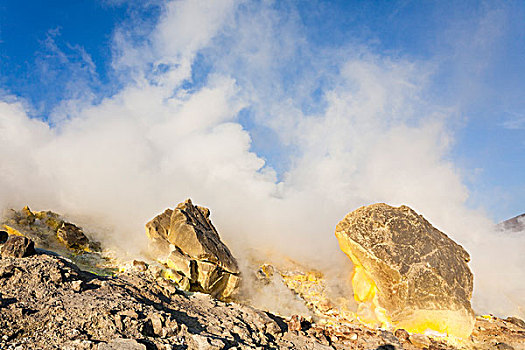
{"x":199,"y":260}
{"x":47,"y":229}
{"x":17,"y":247}
{"x":515,"y":224}
{"x":48,"y":303}
{"x":406,"y":272}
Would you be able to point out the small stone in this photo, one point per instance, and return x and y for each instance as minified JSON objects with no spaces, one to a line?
{"x":140,"y":265}
{"x":129,"y":313}
{"x":122,"y":344}
{"x":77,"y":286}
{"x":157,"y":324}
{"x":295,"y":323}
{"x":18,"y":247}
{"x":402,"y":335}
{"x":208,"y":343}
{"x":419,"y":340}
{"x":78,"y":344}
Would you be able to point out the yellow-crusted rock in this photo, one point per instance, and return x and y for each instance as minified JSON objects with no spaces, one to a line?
{"x":407,"y":274}
{"x":187,"y":242}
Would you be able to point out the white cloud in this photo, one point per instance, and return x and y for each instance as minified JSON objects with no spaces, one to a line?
{"x":516,"y":122}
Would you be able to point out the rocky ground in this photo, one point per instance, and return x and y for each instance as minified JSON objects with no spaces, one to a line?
{"x":49,"y":300}
{"x":48,"y":303}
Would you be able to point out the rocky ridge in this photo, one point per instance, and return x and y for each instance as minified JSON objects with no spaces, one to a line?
{"x":515,"y":224}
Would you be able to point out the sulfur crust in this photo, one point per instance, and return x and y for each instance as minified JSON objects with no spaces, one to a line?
{"x":13,"y":231}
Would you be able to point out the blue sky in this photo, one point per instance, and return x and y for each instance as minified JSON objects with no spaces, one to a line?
{"x":59,"y":50}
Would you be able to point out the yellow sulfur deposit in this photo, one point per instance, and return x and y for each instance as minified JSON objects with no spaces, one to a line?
{"x":13,"y":231}
{"x":365,"y":293}
{"x":364,"y":288}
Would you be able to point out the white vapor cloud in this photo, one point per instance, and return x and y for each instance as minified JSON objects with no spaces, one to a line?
{"x":374,"y":137}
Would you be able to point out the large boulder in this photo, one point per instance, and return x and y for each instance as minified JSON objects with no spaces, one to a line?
{"x":18,"y":247}
{"x":194,"y":251}
{"x":407,"y":274}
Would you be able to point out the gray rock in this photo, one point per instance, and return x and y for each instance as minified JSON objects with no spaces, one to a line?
{"x":516,"y":321}
{"x":420,"y":276}
{"x":503,"y":346}
{"x":515,"y":224}
{"x":192,"y":231}
{"x":18,"y":247}
{"x":122,"y":344}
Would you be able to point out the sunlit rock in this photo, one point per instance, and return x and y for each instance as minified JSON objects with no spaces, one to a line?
{"x":194,"y":250}
{"x":18,"y":247}
{"x":407,"y":274}
{"x":48,"y":230}
{"x":157,"y":231}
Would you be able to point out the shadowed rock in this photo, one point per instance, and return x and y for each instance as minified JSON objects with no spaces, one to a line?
{"x":18,"y":247}
{"x":3,"y":237}
{"x":414,"y":275}
{"x":72,"y":236}
{"x":194,"y":250}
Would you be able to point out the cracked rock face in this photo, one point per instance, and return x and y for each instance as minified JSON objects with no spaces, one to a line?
{"x":18,"y":247}
{"x":416,"y":277}
{"x":199,"y":259}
